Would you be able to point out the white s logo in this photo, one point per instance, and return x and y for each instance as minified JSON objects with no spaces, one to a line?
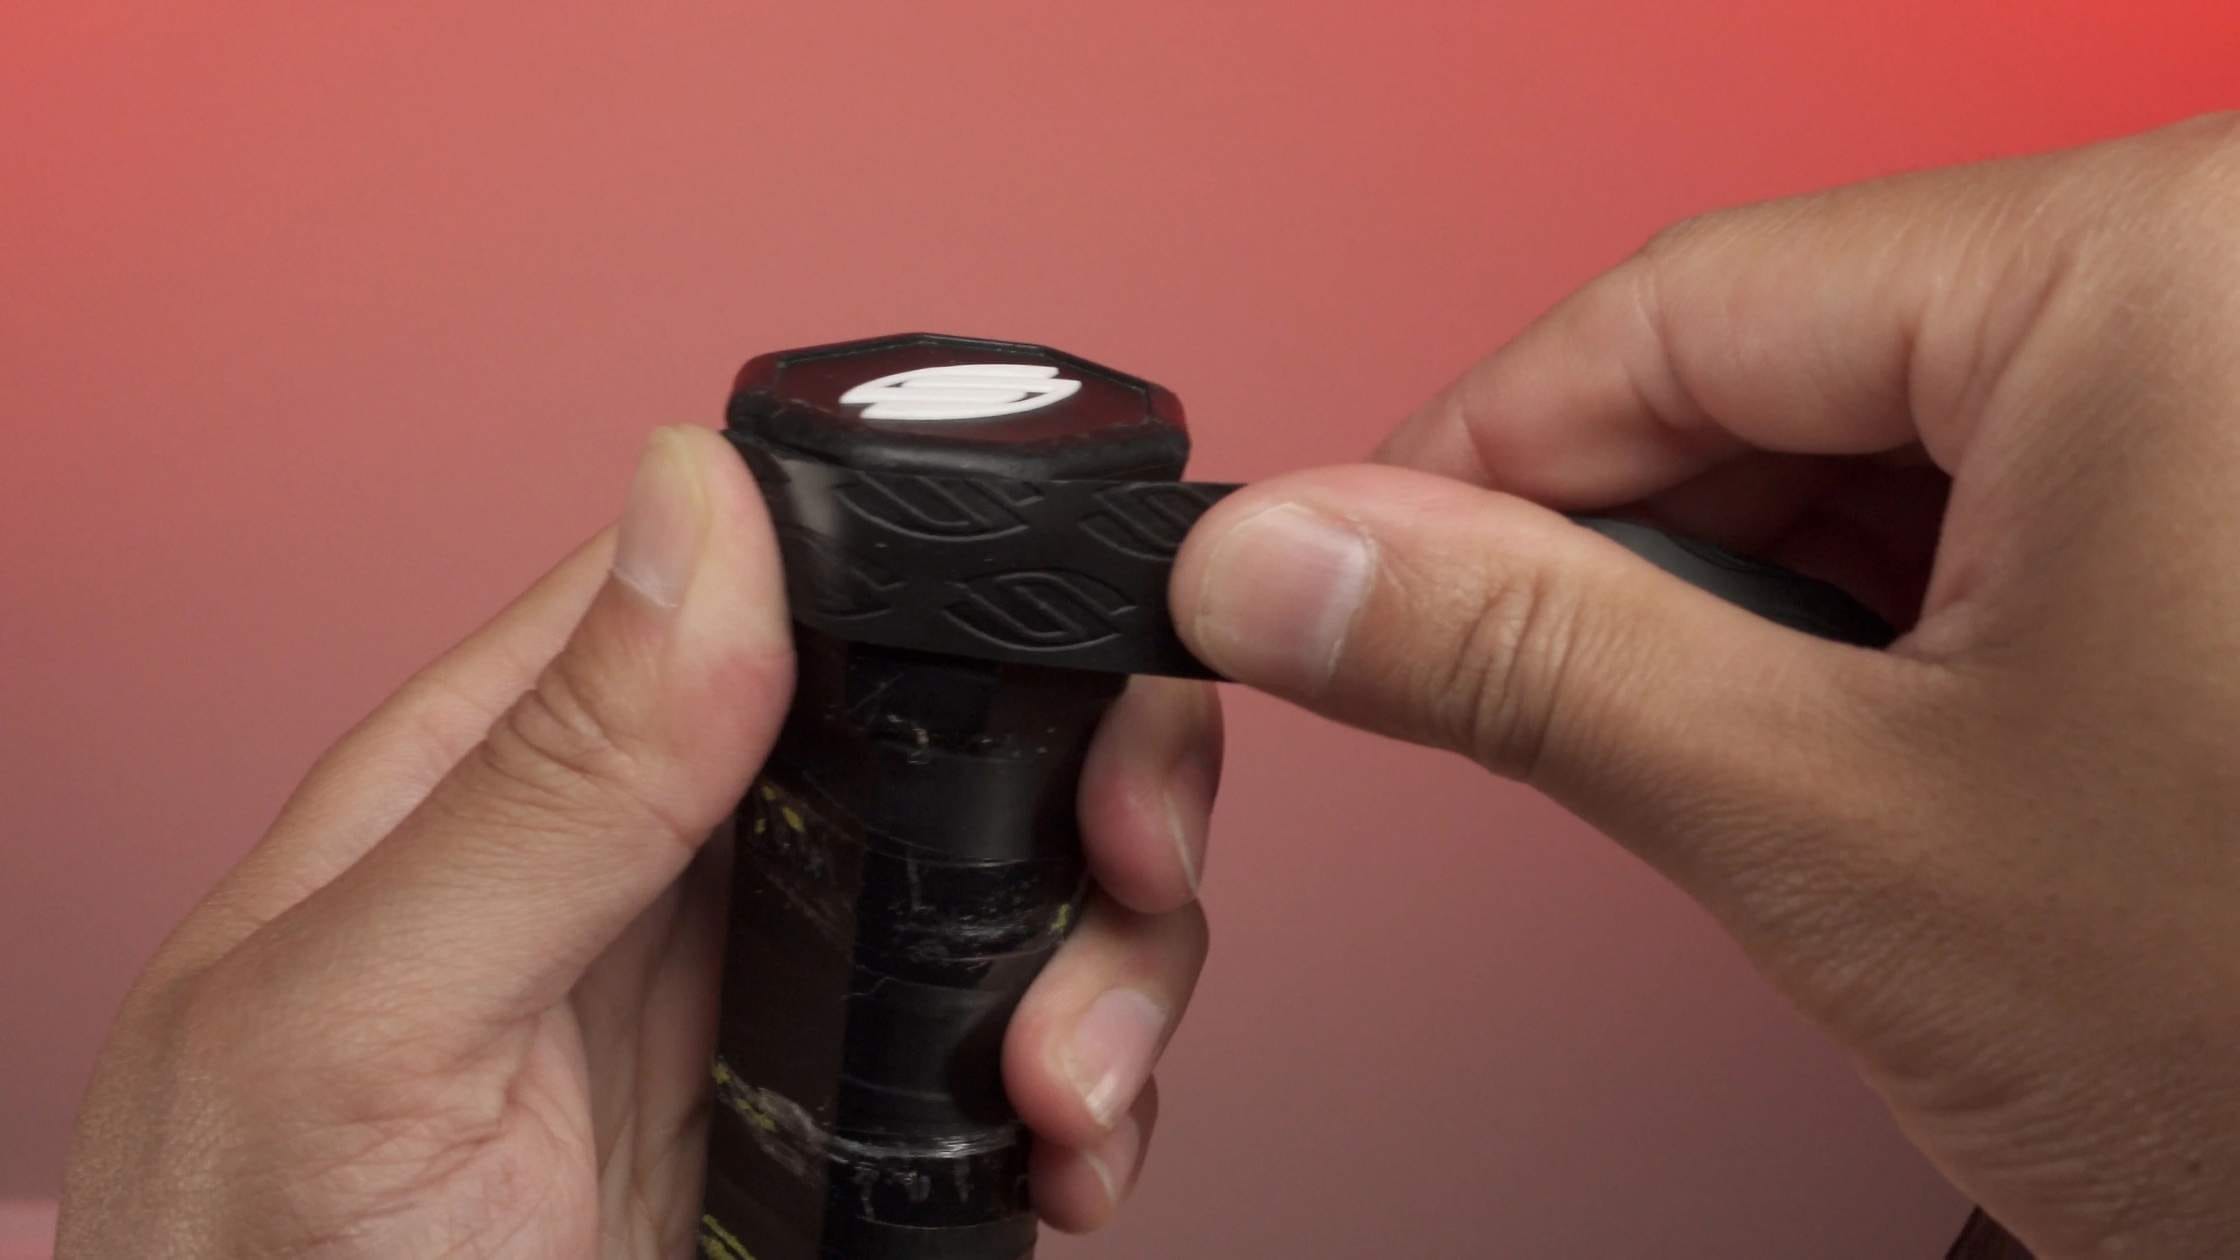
{"x":964,"y":391}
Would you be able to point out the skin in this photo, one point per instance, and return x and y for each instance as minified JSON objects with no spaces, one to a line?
{"x":1999,"y":863}
{"x":460,"y":999}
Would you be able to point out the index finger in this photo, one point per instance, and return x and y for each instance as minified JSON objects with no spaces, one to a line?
{"x":377,"y":772}
{"x":1849,"y":322}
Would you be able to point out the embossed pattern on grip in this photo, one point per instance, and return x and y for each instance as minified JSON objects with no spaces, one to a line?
{"x":1061,"y":573}
{"x":1074,"y":573}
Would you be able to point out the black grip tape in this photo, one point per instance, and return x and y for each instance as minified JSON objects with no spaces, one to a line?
{"x":1069,"y":573}
{"x":907,"y":861}
{"x":1074,"y":572}
{"x":1779,"y":595}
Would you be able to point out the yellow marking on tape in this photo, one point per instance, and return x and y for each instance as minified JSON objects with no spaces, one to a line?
{"x":736,"y":1097}
{"x":769,"y":793}
{"x":763,"y":1120}
{"x":793,"y":819}
{"x":1064,"y":917}
{"x":714,"y":1236}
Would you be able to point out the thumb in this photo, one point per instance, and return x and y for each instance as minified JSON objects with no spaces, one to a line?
{"x":1448,"y":615}
{"x":591,"y":793}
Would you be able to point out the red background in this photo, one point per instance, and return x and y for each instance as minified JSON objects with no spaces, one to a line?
{"x":323,"y":327}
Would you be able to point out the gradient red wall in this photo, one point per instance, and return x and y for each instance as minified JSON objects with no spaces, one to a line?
{"x":323,"y":327}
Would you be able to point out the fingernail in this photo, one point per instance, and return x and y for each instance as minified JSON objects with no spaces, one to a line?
{"x":1110,"y":1055}
{"x":1114,"y":1159}
{"x":657,"y":545}
{"x":1278,"y":596}
{"x":1188,"y":800}
{"x":1104,"y":1178}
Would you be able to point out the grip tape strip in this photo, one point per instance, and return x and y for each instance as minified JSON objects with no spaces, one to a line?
{"x":1074,"y":573}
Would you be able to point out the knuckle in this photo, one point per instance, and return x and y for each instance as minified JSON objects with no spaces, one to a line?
{"x":2203,"y":173}
{"x":554,"y":738}
{"x":434,"y":709}
{"x":1678,"y":237}
{"x":565,"y":749}
{"x":1667,"y":365}
{"x":2215,"y":138}
{"x":1497,"y":690}
{"x":580,"y":720}
{"x":2165,"y":227}
{"x":2210,"y":194}
{"x":1687,"y":247}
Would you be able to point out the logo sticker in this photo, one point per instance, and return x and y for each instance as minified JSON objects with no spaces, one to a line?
{"x":964,"y":391}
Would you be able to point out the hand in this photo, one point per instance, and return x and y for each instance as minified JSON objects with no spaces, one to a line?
{"x":2000,"y":863}
{"x":461,"y":999}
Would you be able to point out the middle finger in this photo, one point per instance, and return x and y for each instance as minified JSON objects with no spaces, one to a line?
{"x":1095,"y":1021}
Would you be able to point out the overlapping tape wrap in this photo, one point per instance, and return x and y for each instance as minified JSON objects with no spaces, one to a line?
{"x":906,"y":863}
{"x":1074,"y":573}
{"x":1069,"y":573}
